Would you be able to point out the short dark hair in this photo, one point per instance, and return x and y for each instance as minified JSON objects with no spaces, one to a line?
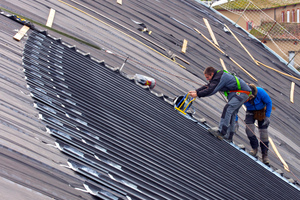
{"x":209,"y":70}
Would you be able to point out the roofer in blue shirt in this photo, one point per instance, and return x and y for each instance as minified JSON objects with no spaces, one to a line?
{"x":259,"y":107}
{"x":237,"y":92}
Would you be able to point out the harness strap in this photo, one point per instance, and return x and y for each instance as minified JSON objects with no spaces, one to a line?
{"x":238,"y":85}
{"x":242,"y":91}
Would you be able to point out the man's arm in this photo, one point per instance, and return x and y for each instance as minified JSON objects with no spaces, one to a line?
{"x":208,"y":89}
{"x":267,"y":100}
{"x":193,"y":93}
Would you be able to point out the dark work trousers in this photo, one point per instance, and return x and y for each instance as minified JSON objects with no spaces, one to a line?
{"x":227,"y":122}
{"x":262,"y":129}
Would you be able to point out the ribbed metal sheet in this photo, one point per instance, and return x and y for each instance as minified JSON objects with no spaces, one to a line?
{"x":128,"y":142}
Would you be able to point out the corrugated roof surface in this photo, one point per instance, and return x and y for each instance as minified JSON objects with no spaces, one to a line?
{"x":30,"y":166}
{"x":134,"y":143}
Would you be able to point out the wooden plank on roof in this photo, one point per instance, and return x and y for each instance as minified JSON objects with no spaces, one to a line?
{"x":223,"y":64}
{"x":50,"y":18}
{"x":209,"y":41}
{"x":119,"y":2}
{"x":277,"y":70}
{"x":242,"y":69}
{"x":241,"y":44}
{"x":225,"y":54}
{"x":182,"y":59}
{"x":21,"y":33}
{"x":292,"y":92}
{"x":212,"y":35}
{"x":286,"y":167}
{"x":184,"y":46}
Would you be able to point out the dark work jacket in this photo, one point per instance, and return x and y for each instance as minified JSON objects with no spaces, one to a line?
{"x":221,"y":81}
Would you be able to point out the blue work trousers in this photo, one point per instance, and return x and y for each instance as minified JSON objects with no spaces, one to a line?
{"x":227,"y":122}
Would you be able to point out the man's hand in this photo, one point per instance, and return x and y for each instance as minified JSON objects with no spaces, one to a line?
{"x":193,"y":94}
{"x":266,"y":121}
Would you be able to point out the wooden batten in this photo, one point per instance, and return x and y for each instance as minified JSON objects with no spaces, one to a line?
{"x":209,"y":41}
{"x":212,"y":35}
{"x":243,"y":69}
{"x":119,"y":2}
{"x":50,"y":18}
{"x":292,"y":92}
{"x":277,"y":70}
{"x":223,"y":64}
{"x":241,"y":44}
{"x":286,"y":167}
{"x":225,"y":54}
{"x":21,"y":33}
{"x":184,"y":46}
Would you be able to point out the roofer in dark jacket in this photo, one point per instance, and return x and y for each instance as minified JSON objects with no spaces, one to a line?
{"x":259,"y":107}
{"x":237,"y":92}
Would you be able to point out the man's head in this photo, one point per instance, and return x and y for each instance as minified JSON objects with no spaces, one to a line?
{"x":209,"y":73}
{"x":253,"y":90}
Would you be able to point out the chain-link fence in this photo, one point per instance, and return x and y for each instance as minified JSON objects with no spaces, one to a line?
{"x":277,"y":27}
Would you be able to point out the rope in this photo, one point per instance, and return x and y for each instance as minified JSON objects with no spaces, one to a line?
{"x":160,"y":70}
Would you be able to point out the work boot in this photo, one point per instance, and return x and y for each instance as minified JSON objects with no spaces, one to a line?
{"x":265,"y":159}
{"x":264,"y":151}
{"x":229,"y":139}
{"x":215,"y":132}
{"x":253,"y":152}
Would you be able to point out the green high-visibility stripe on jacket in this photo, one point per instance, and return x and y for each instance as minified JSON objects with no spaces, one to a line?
{"x":237,"y":82}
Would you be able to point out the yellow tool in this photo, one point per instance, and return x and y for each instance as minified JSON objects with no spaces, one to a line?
{"x":183,"y":101}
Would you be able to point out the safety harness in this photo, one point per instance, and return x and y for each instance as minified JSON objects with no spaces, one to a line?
{"x":238,"y":85}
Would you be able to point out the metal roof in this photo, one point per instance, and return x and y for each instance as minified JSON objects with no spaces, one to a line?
{"x":134,"y":137}
{"x":121,"y":139}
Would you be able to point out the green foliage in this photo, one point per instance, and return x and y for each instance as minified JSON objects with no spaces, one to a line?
{"x":257,"y":33}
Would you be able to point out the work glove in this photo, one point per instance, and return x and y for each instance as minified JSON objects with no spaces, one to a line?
{"x":266,"y":121}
